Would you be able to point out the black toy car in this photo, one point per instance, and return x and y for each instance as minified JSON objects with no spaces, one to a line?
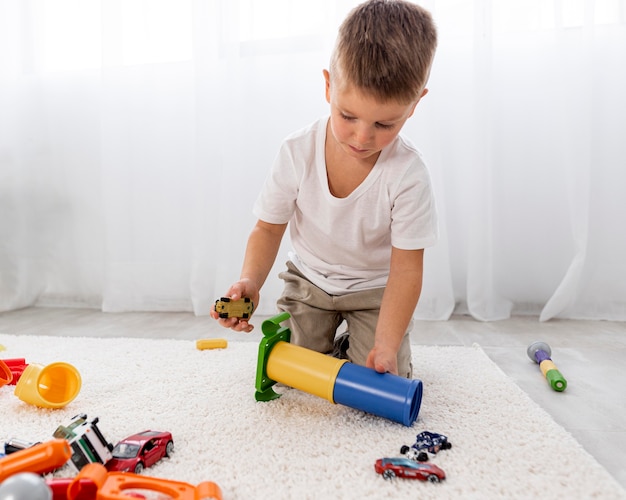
{"x":426,"y":441}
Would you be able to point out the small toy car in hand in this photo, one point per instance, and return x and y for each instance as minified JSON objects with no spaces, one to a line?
{"x":426,"y":441}
{"x":409,"y":469}
{"x":227,"y":308}
{"x":139,"y":451}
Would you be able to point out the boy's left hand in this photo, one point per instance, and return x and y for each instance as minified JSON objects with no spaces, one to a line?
{"x":383,"y":360}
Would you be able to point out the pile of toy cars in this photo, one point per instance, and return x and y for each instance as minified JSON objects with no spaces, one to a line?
{"x":412,"y":465}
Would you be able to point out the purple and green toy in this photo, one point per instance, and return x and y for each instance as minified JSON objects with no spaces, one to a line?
{"x":540,"y":353}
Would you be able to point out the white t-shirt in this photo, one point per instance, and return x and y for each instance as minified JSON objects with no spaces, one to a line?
{"x":344,"y":244}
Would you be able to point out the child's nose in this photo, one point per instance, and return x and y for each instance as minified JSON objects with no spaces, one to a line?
{"x":364,"y":134}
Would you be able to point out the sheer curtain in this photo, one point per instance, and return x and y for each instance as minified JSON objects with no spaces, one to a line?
{"x":135,"y":135}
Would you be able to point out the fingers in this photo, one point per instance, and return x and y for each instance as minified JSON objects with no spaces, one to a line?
{"x":238,"y":291}
{"x":381,"y":362}
{"x":245,"y":327}
{"x":235,"y":324}
{"x":234,"y":313}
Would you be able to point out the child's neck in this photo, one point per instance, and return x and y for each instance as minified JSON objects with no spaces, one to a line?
{"x":345,"y":173}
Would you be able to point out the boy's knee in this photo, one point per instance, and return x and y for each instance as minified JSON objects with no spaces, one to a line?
{"x":406,"y":372}
{"x":405,"y":365}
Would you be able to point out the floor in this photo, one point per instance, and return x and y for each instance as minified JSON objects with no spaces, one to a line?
{"x":590,"y":354}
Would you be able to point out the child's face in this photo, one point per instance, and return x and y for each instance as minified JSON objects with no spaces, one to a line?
{"x":361,"y":124}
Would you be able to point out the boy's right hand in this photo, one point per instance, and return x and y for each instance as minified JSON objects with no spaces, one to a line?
{"x":240,"y":289}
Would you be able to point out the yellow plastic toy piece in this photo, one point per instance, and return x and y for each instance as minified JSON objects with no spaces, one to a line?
{"x":203,"y":344}
{"x":51,"y":386}
{"x":116,"y":485}
{"x":228,"y":308}
{"x":304,"y":369}
{"x":39,"y":459}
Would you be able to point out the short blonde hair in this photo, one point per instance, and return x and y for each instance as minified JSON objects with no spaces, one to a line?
{"x":386,"y":48}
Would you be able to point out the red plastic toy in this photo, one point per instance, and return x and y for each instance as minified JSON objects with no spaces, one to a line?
{"x":140,"y":451}
{"x":409,"y":469}
{"x":11,"y":370}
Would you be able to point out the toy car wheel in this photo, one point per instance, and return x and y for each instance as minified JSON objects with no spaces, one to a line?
{"x":138,"y":468}
{"x":446,"y":446}
{"x":422,"y":456}
{"x":169,"y":448}
{"x":433,"y":479}
{"x":404,"y":449}
{"x":225,"y":299}
{"x":388,"y":474}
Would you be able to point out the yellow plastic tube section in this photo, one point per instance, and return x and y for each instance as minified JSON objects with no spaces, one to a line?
{"x":304,"y":369}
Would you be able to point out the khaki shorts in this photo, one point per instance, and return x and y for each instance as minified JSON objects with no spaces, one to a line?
{"x":316,"y":315}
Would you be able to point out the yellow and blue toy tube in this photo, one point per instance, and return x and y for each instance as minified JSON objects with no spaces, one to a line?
{"x":383,"y":394}
{"x":337,"y":380}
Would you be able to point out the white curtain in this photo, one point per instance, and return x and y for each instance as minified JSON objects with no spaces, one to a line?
{"x":135,"y":136}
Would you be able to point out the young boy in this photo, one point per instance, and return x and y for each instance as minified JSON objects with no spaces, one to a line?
{"x":356,"y":196}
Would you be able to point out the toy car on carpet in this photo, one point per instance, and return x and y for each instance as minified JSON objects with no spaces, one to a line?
{"x":141,"y":450}
{"x":409,"y":469}
{"x":426,"y":441}
{"x":15,"y":444}
{"x":87,"y":442}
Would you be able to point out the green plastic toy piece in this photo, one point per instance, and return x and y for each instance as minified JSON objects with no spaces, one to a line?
{"x":557,"y":380}
{"x":273,"y":333}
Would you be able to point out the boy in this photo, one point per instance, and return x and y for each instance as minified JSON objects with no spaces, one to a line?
{"x":356,"y":197}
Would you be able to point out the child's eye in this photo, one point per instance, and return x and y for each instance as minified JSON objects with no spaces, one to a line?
{"x":383,"y":126}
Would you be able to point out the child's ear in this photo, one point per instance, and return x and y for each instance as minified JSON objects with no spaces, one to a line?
{"x":424,"y":92}
{"x":327,"y":84}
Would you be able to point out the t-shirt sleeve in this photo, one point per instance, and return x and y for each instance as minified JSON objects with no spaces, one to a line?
{"x":277,"y":201}
{"x":414,"y":215}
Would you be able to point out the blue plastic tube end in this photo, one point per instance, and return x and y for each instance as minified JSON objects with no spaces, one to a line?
{"x":382,"y":394}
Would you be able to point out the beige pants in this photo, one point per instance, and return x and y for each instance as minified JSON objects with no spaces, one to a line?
{"x":315,"y":317}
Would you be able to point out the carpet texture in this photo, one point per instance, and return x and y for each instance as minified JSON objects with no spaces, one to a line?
{"x":301,"y":446}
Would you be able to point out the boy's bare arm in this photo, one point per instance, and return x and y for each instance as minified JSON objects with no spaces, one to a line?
{"x":402,"y":292}
{"x":261,"y":250}
{"x":263,"y":244}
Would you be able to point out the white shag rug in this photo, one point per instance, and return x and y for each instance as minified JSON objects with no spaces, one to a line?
{"x":301,"y":446}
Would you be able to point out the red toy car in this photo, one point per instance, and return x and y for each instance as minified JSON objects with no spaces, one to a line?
{"x":141,"y":450}
{"x":410,"y":469}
